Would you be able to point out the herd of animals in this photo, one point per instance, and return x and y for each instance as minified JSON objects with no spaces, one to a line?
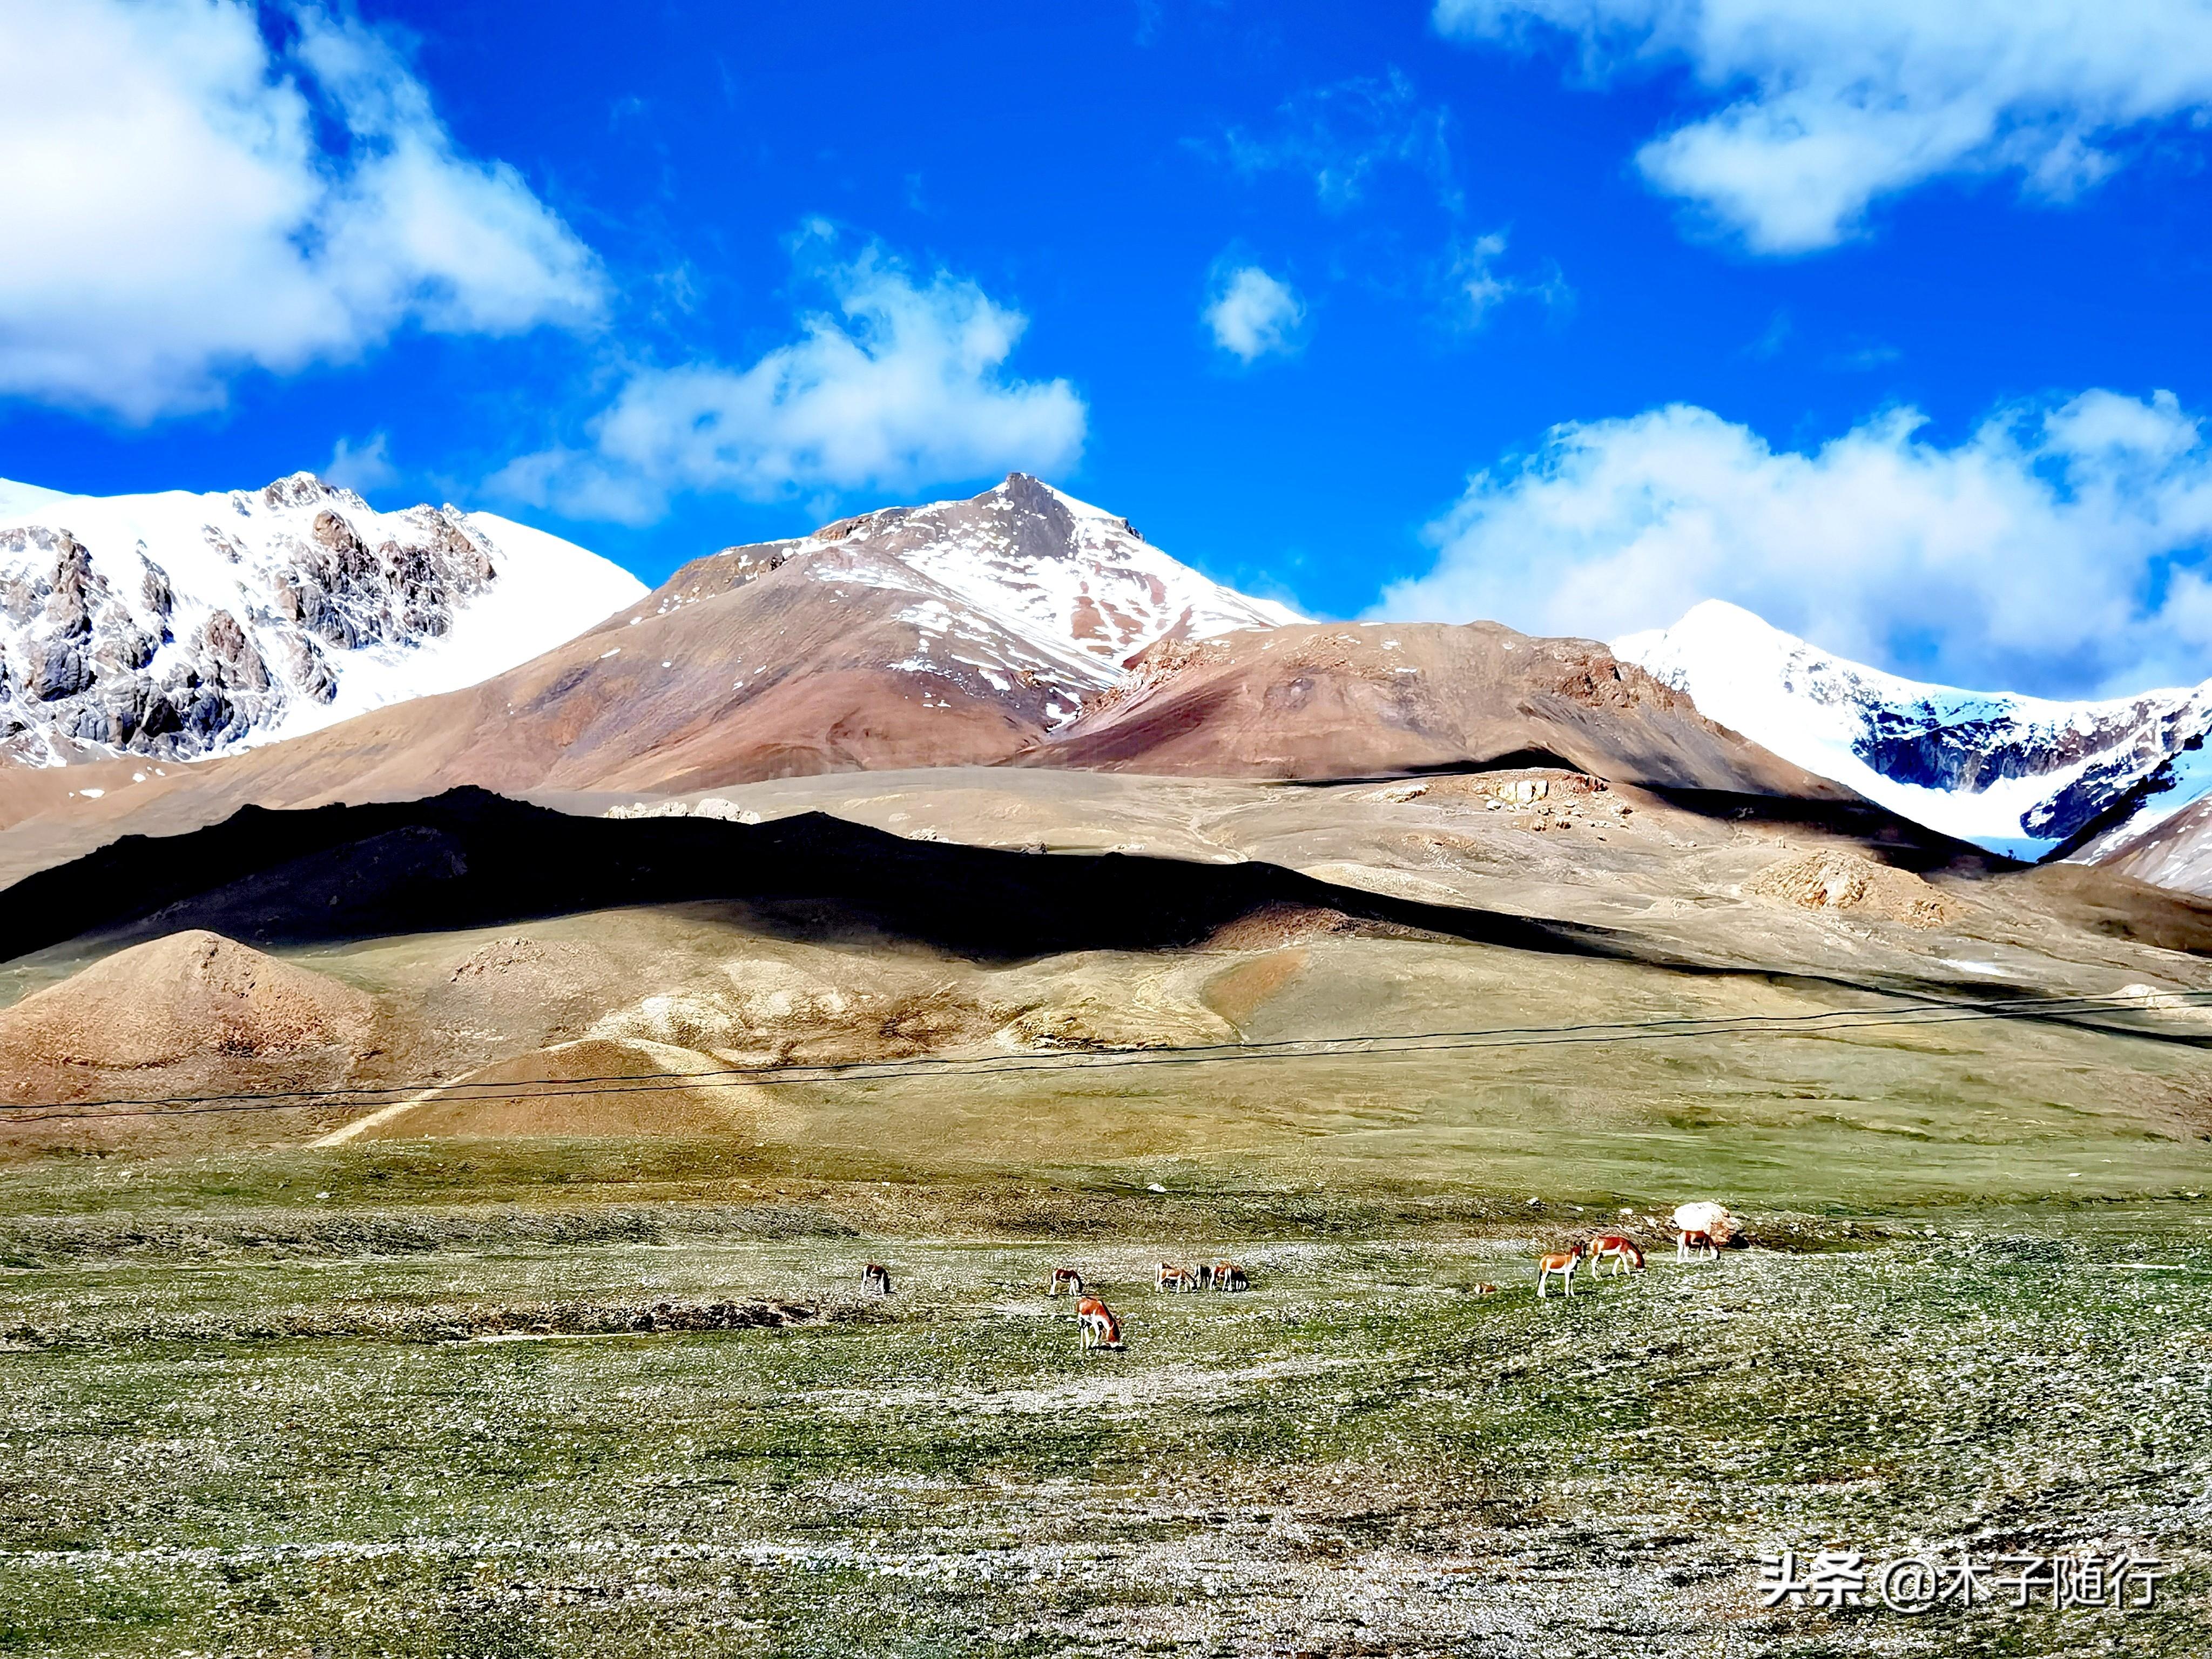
{"x":1700,"y":1230}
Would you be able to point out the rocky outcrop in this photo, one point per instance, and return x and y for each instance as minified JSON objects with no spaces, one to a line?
{"x":179,"y":626}
{"x":1837,"y":880}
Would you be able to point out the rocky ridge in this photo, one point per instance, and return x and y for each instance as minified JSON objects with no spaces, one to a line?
{"x":1020,"y":588}
{"x":178,"y":626}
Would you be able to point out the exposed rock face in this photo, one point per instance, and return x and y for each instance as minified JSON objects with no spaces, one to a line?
{"x":956,"y":634}
{"x":178,"y":626}
{"x":189,"y":994}
{"x":1054,"y":569}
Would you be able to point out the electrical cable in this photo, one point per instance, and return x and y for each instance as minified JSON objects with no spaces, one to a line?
{"x":1379,"y":1046}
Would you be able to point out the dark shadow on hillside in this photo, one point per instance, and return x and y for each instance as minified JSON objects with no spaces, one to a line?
{"x":470,"y":858}
{"x":1895,"y":840}
{"x":1518,"y":760}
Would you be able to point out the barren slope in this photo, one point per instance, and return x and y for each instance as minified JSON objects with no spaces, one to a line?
{"x":1352,"y":700}
{"x":184,"y":993}
{"x":2175,"y":851}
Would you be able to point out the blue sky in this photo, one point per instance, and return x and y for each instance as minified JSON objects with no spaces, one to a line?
{"x":1892,"y":325}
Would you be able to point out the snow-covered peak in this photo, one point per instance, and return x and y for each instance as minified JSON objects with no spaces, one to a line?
{"x":2019,"y":775}
{"x":1066,"y":573}
{"x":178,"y":625}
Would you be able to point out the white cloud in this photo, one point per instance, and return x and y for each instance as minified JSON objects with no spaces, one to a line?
{"x":1475,"y":286}
{"x":901,"y":388}
{"x":1252,"y":315}
{"x":360,"y":467}
{"x":173,"y":213}
{"x":1819,"y":109}
{"x":2055,"y":549}
{"x":1341,"y":136}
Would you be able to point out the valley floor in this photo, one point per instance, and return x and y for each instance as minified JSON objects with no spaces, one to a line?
{"x":566,"y":1354}
{"x":463,"y":1405}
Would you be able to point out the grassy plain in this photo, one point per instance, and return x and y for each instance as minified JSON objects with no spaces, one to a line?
{"x":565,"y":1398}
{"x":571,"y":1389}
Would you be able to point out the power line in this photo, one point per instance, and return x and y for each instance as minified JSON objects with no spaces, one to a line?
{"x":359,"y":1096}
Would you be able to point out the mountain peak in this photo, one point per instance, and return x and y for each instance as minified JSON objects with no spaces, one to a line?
{"x":303,"y":489}
{"x":175,"y":626}
{"x":1023,"y":556}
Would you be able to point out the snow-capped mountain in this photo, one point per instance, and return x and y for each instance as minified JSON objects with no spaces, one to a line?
{"x":1073,"y":580}
{"x":1021,"y":594}
{"x":2024,"y":776}
{"x":960,"y":633}
{"x":180,"y":625}
{"x":1060,"y":569}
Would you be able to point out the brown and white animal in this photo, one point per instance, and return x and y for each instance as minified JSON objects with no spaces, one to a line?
{"x":1562,"y":1262}
{"x":876,"y":1277}
{"x":1708,"y":1218}
{"x":1696,"y":1242}
{"x":1100,"y":1328}
{"x":1173,"y":1278}
{"x":1484,"y":1289}
{"x":1617,"y":1248}
{"x":1067,"y":1279}
{"x":1227,"y":1276}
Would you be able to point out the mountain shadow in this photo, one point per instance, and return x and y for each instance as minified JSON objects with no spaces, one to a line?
{"x":471,"y":858}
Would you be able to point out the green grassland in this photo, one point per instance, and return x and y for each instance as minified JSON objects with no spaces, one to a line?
{"x":593,"y":1398}
{"x":615,"y":1395}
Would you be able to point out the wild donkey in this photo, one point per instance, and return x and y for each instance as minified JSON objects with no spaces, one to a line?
{"x":1100,"y":1328}
{"x":1562,"y":1262}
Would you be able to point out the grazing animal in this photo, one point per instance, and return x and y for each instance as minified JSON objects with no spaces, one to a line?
{"x":1484,"y":1289}
{"x":1172,"y":1278}
{"x":1617,"y":1248}
{"x":1696,"y":1242}
{"x":1227,"y":1276}
{"x":1562,"y":1262}
{"x":1100,"y":1328}
{"x":876,"y":1277}
{"x":1068,"y":1279}
{"x":1708,"y":1218}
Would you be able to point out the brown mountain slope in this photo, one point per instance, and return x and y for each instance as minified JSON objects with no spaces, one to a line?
{"x":952,"y":634}
{"x":188,"y":993}
{"x":753,"y":663}
{"x":1354,"y":699}
{"x":965,"y":633}
{"x":2175,"y":852}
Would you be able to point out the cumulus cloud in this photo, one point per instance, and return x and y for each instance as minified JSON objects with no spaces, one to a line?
{"x":185,"y":198}
{"x":1252,"y":315}
{"x":2059,"y":549}
{"x":1818,"y":110}
{"x":900,"y":387}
